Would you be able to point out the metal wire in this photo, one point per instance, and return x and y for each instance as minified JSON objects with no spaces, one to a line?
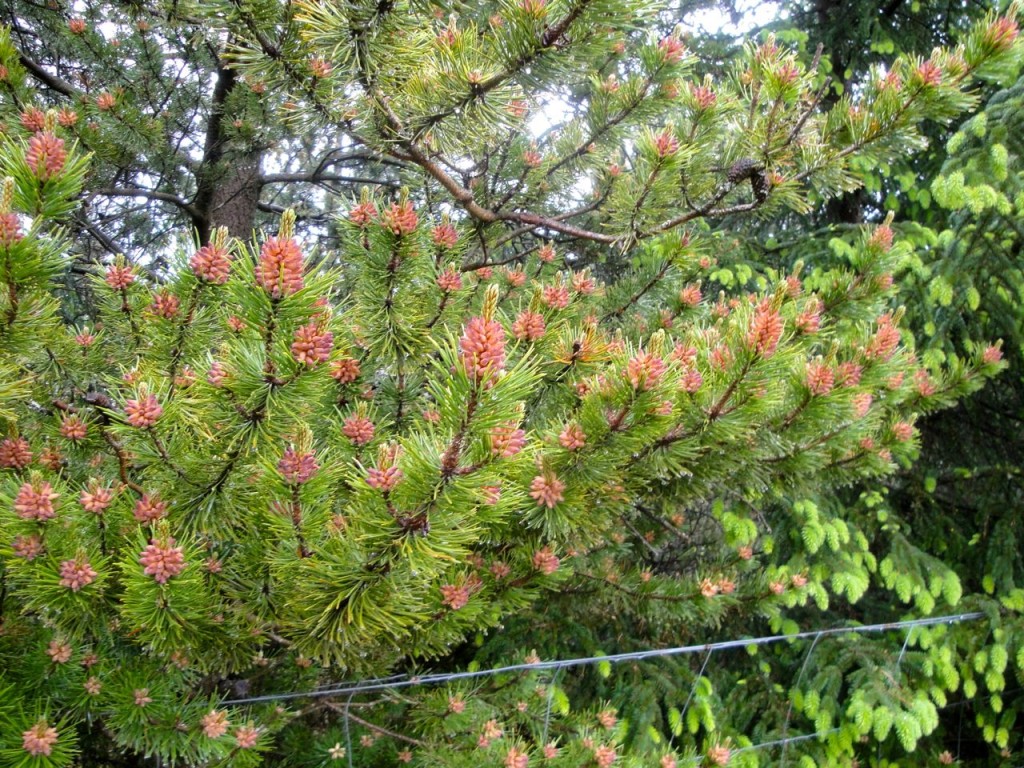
{"x":693,"y":688}
{"x":348,"y":733}
{"x":789,"y":709}
{"x":547,"y":712}
{"x":787,"y":741}
{"x":378,"y":684}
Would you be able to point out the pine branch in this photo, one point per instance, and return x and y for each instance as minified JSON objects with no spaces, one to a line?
{"x":344,"y":710}
{"x":161,"y":449}
{"x":103,"y":405}
{"x":50,"y":81}
{"x":150,"y":194}
{"x":315,"y":177}
{"x":597,"y":135}
{"x":179,"y":343}
{"x":549,"y":40}
{"x":643,"y":291}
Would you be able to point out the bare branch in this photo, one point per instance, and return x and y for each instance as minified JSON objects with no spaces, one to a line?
{"x":151,"y":194}
{"x":341,"y":709}
{"x":315,"y":177}
{"x":44,"y":77}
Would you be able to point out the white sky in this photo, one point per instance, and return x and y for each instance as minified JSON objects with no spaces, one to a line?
{"x":755,"y":13}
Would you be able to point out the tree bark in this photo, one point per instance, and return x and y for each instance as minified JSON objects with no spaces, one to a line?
{"x":228,"y":184}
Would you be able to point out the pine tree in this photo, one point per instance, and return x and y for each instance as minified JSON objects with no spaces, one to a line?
{"x":252,"y":466}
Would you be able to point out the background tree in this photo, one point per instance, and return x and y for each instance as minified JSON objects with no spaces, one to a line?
{"x":180,"y":143}
{"x":957,"y":293}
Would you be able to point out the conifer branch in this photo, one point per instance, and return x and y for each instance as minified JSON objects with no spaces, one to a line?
{"x":609,"y":470}
{"x":440,"y":310}
{"x":463,"y":196}
{"x":345,"y":710}
{"x":103,"y":405}
{"x":452,"y":454}
{"x":273,"y":52}
{"x":608,"y":125}
{"x":798,"y":126}
{"x":806,"y":447}
{"x":618,"y":312}
{"x":295,"y":508}
{"x":792,"y":416}
{"x":12,"y":293}
{"x":101,"y":237}
{"x":517,"y":256}
{"x":51,"y":81}
{"x":687,"y":598}
{"x":717,"y":409}
{"x":322,"y":177}
{"x":179,"y":344}
{"x":225,"y":472}
{"x":547,"y":41}
{"x":161,"y":449}
{"x":707,"y":211}
{"x":150,"y":194}
{"x":126,"y":310}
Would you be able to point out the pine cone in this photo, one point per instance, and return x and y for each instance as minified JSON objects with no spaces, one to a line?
{"x":747,"y":168}
{"x":743,"y":169}
{"x":759,"y":183}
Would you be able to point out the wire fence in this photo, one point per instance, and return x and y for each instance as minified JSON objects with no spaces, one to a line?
{"x":393,"y":682}
{"x":406,"y":681}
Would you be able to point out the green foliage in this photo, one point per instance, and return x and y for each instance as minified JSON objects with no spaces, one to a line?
{"x":260,"y":467}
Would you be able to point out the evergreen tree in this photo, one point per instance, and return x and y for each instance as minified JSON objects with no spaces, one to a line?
{"x":954,"y":203}
{"x":179,"y":141}
{"x":259,"y":467}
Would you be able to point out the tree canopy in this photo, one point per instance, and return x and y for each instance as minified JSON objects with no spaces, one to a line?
{"x":340,"y":341}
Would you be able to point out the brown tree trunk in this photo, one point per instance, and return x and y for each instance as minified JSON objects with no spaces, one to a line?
{"x":229,"y":178}
{"x":236,"y":193}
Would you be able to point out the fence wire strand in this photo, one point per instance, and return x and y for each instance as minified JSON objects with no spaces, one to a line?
{"x":407,"y":681}
{"x":351,"y":690}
